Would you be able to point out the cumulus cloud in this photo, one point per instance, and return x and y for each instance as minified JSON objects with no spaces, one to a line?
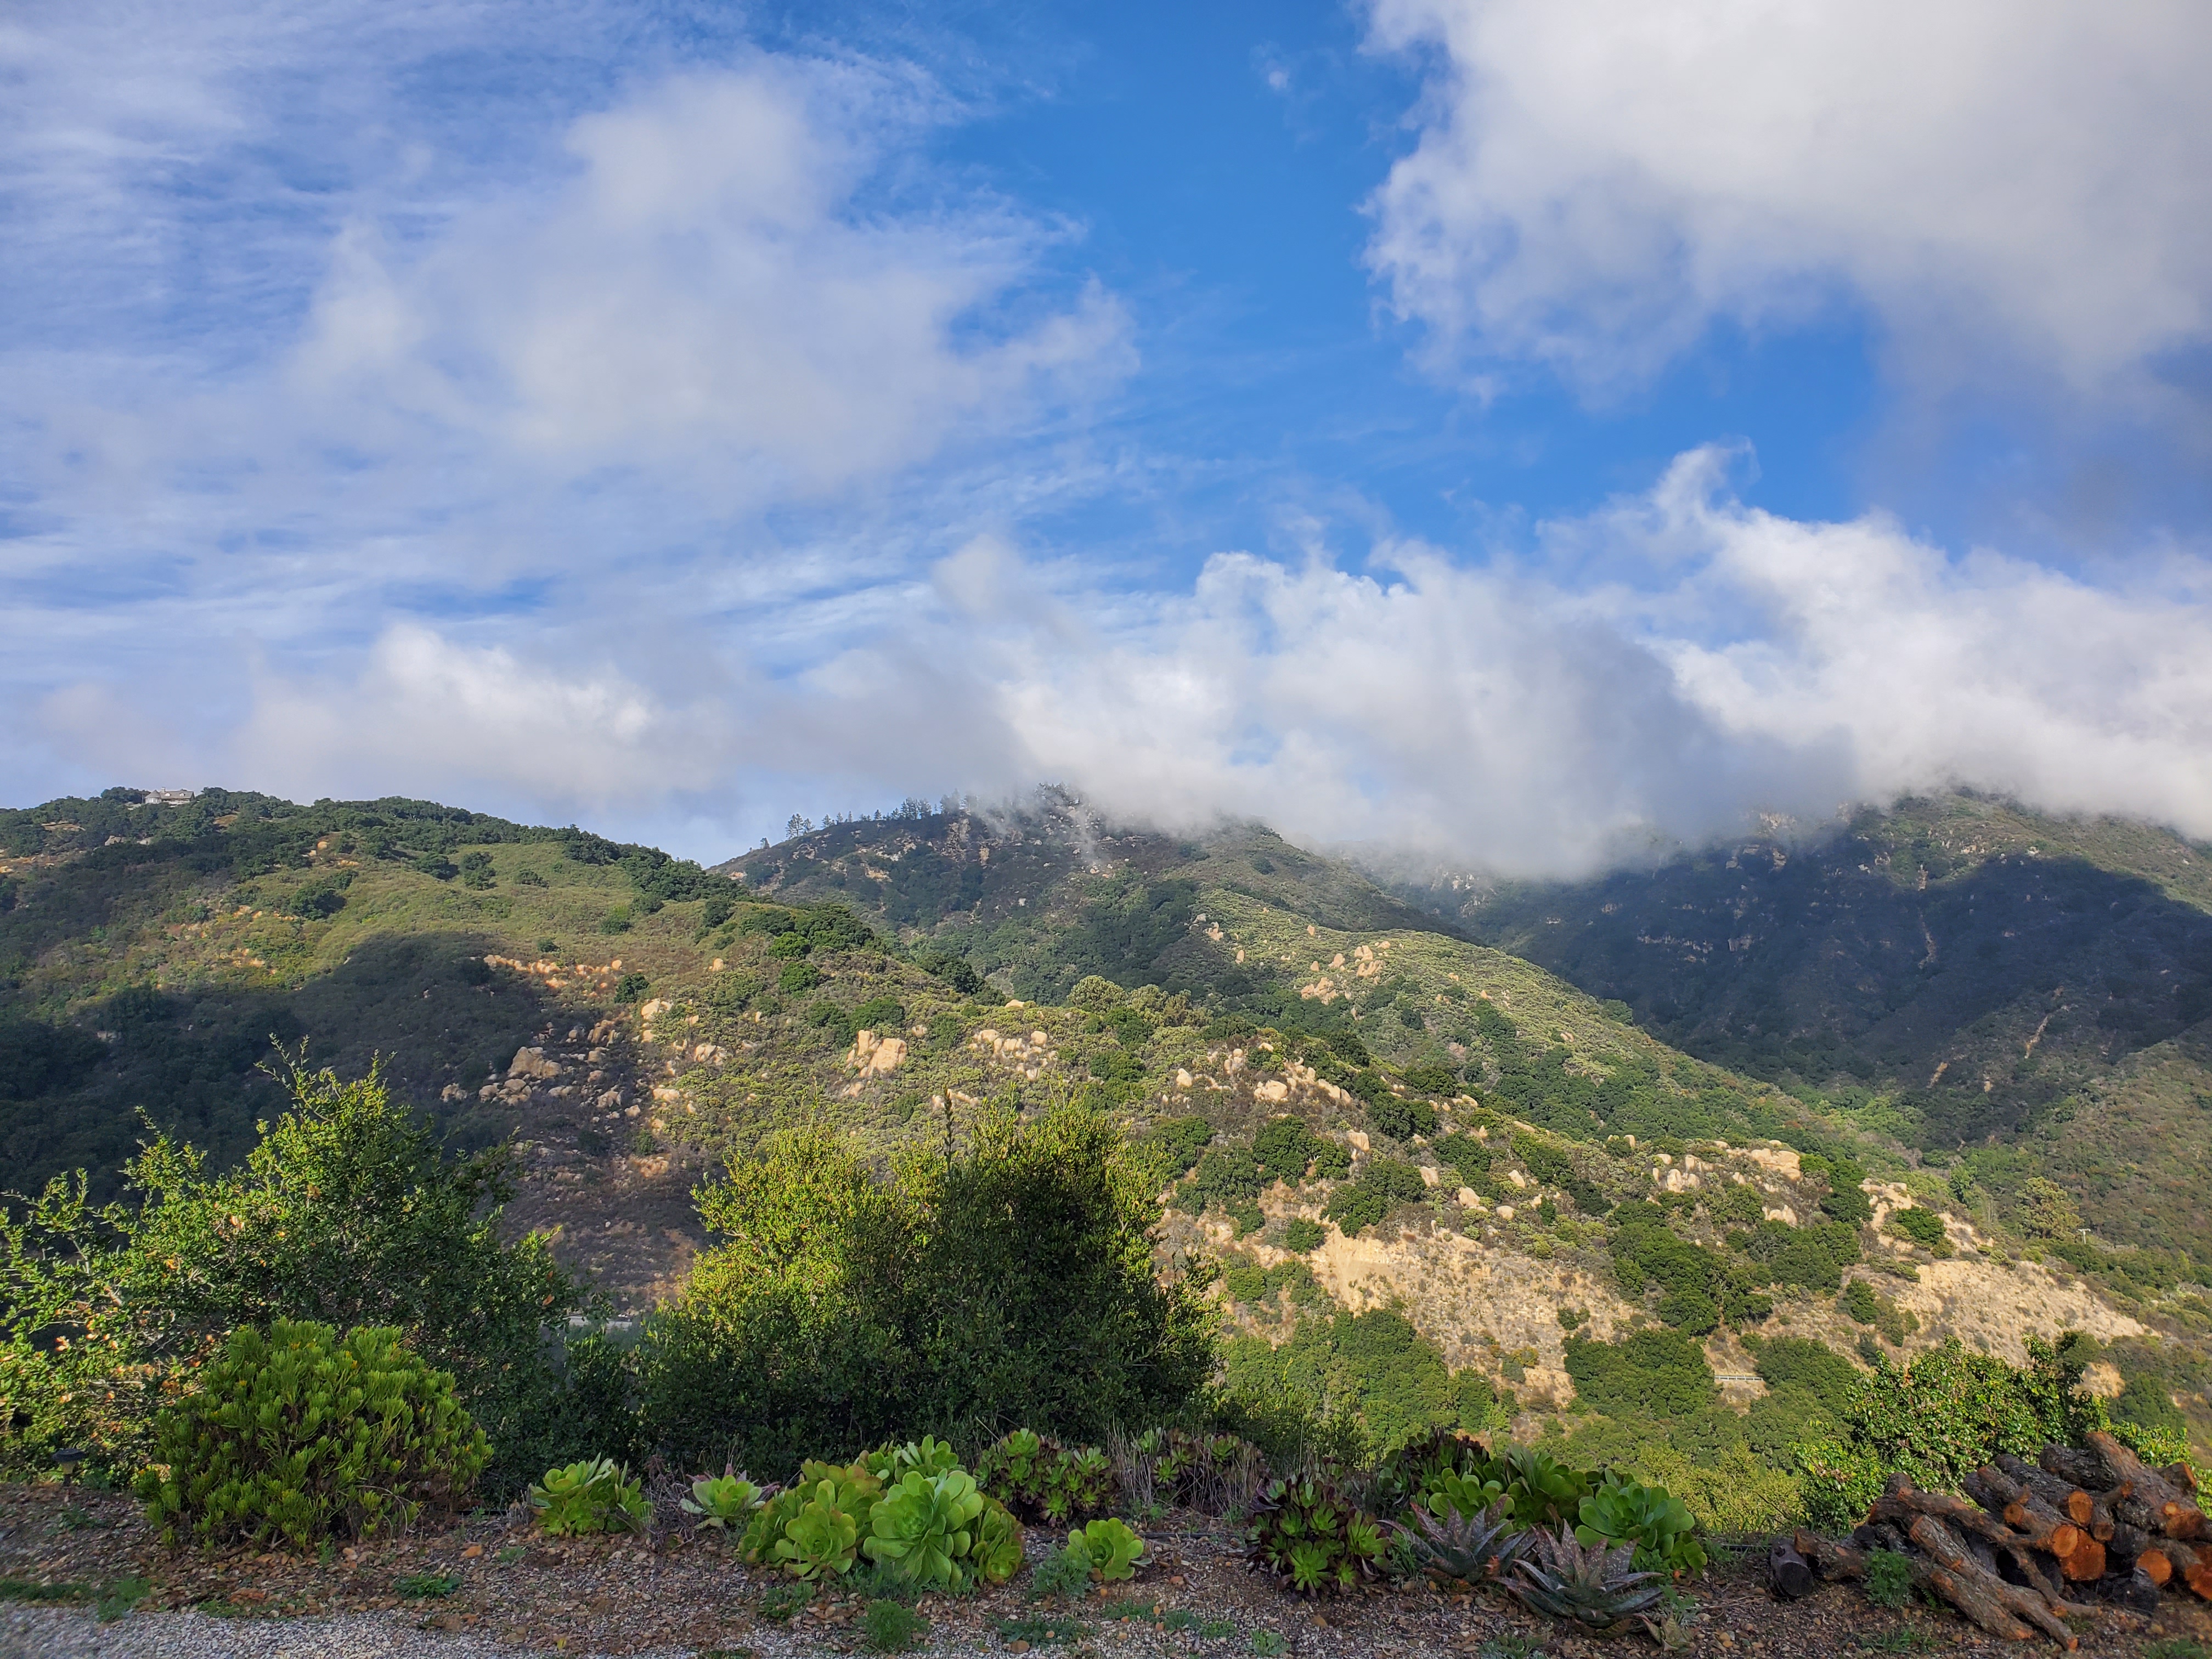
{"x":707,"y":297}
{"x":1593,"y":186}
{"x":1721,"y":663}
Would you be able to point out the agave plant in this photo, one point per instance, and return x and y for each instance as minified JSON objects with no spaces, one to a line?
{"x":1451,"y":1546}
{"x":724,"y":1502}
{"x":1593,"y":1585}
{"x":1307,"y":1532}
{"x":924,"y":1527}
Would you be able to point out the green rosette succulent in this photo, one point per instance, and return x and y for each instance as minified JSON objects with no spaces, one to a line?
{"x":1659,"y":1525}
{"x":819,"y":1541}
{"x":1113,"y":1550}
{"x":924,"y":1527}
{"x":996,"y":1555}
{"x":724,"y":1502}
{"x":592,"y":1496}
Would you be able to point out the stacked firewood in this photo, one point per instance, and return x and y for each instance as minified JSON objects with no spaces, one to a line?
{"x":2036,"y":1542}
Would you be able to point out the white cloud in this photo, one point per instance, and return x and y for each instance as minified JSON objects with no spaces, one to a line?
{"x":1737,"y":663}
{"x":1997,"y":181}
{"x":709,"y":297}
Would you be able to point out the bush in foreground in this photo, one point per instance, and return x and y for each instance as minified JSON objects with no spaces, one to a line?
{"x":302,"y":1434}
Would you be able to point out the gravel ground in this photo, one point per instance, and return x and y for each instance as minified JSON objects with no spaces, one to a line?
{"x":487,"y":1586}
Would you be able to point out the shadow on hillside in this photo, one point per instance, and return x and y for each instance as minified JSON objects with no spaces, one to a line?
{"x":1984,"y":997}
{"x":192,"y":1060}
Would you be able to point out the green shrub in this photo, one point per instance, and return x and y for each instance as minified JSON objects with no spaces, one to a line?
{"x":1924,"y":1227}
{"x":1384,"y":1184}
{"x":1662,"y":1373}
{"x":1301,"y":1236}
{"x":632,"y":987}
{"x":1175,"y":1144}
{"x":1432,"y":1078}
{"x":1797,"y":1361}
{"x":348,"y":1213}
{"x":594,"y":1496}
{"x":1889,"y":1578}
{"x":1395,"y":1115}
{"x":797,"y":977}
{"x":300,"y":1435}
{"x":1331,"y":1161}
{"x":1946,"y":1412}
{"x":1470,"y":1159}
{"x":1060,"y":1572}
{"x":1283,"y":1146}
{"x":1860,"y":1301}
{"x":1845,"y":1203}
{"x":1011,"y":1282}
{"x":1372,"y":1372}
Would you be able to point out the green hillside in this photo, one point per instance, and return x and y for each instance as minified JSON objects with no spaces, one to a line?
{"x":1359,"y":1111}
{"x":2023,"y":994}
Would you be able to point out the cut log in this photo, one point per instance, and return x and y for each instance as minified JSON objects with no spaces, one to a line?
{"x":1788,"y":1571}
{"x":2178,"y":1515}
{"x":2068,"y":1499}
{"x":2086,"y":1563}
{"x":2127,"y":1544}
{"x":2192,"y":1563}
{"x":1830,"y":1559}
{"x":2180,"y":1477}
{"x":1901,"y":1502}
{"x":2155,"y":1565}
{"x":1984,"y":1598}
{"x":2085,"y":1469}
{"x":2131,"y":1590}
{"x":2026,"y":1512}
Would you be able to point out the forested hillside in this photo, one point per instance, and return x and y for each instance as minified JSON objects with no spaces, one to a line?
{"x":1442,"y":1183}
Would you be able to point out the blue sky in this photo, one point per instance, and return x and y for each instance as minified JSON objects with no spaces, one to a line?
{"x":1499,"y":431}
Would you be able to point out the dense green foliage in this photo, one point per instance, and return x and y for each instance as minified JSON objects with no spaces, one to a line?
{"x":299,"y":1435}
{"x":1947,"y":1411}
{"x":1312,"y":1537}
{"x":1011,"y":1282}
{"x":346,"y":1213}
{"x":1372,"y":1372}
{"x":594,"y":1496}
{"x":1661,"y":1373}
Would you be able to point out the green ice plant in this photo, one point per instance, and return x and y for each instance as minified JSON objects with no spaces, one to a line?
{"x":724,"y":1502}
{"x":1114,"y":1551}
{"x":1627,"y":1511}
{"x":925,"y":1528}
{"x":590,"y":1497}
{"x":1447,"y":1492}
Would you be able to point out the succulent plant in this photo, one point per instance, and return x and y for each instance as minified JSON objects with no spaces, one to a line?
{"x":1308,"y":1532}
{"x":1451,"y":1546}
{"x":1042,"y":1479}
{"x":1623,"y":1510}
{"x":724,"y":1502}
{"x":1595,"y":1586}
{"x":1447,"y":1493}
{"x":997,"y":1552}
{"x":588,"y":1498}
{"x":1404,"y":1476}
{"x":803,"y":1529}
{"x":1544,"y":1491}
{"x":924,"y":1527}
{"x":892,"y":1463}
{"x":1114,"y":1551}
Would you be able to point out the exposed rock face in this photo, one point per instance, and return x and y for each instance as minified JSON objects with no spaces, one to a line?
{"x":875,"y":1056}
{"x":534,"y":1063}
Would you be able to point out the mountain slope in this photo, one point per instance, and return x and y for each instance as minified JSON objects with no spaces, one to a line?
{"x":1957,"y":972}
{"x":1481,"y":1137}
